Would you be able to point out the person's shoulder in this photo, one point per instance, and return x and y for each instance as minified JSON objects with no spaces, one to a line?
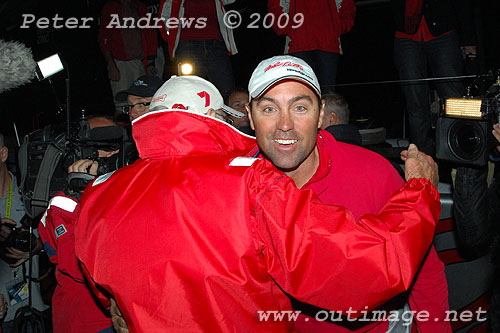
{"x":357,"y":158}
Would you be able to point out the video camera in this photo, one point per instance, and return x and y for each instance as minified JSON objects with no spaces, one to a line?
{"x":46,"y":154}
{"x":463,"y":131}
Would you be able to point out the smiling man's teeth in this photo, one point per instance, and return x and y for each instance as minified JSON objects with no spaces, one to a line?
{"x":285,"y":142}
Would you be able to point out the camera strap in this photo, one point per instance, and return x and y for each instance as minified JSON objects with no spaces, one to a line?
{"x":8,"y":205}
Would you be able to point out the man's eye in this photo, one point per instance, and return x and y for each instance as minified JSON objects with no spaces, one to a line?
{"x":268,"y":109}
{"x":300,"y":108}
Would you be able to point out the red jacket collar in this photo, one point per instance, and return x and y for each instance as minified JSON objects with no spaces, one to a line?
{"x":179,"y":133}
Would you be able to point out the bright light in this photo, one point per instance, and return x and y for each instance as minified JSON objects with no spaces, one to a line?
{"x":49,"y":66}
{"x":463,"y":108}
{"x":186,"y":69}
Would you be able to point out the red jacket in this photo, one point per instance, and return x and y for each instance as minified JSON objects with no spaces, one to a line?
{"x":110,"y":39}
{"x":341,"y":175}
{"x":323,"y":23}
{"x":193,"y":238}
{"x":74,"y":308}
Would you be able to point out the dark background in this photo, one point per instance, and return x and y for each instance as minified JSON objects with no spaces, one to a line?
{"x":367,"y":58}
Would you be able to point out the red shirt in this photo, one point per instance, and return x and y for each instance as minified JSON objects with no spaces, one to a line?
{"x":344,"y":179}
{"x":193,"y":11}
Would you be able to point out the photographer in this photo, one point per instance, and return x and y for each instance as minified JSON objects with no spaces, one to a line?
{"x":477,"y":211}
{"x":73,"y":306}
{"x":14,"y":265}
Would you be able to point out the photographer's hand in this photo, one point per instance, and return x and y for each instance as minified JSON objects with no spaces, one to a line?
{"x":5,"y":230}
{"x":22,"y":256}
{"x":85,"y":166}
{"x":496,"y":133}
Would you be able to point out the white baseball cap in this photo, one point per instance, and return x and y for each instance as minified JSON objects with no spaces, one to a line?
{"x":279,"y":68}
{"x":190,"y":93}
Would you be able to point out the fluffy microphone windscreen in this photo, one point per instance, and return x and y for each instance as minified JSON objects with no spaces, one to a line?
{"x":17,"y":65}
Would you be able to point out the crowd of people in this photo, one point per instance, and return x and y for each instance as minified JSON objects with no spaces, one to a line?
{"x":250,"y":201}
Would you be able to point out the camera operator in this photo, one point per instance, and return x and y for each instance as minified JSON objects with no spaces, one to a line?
{"x":477,"y":212}
{"x":73,"y":306}
{"x":14,"y":265}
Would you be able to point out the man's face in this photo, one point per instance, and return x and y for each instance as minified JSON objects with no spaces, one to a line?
{"x":286,"y":120}
{"x":138,"y":110}
{"x":237,"y":101}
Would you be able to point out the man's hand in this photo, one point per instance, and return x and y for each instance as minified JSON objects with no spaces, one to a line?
{"x":119,"y":323}
{"x":84,"y":166}
{"x":496,"y":133}
{"x":113,"y":72}
{"x":469,"y":50}
{"x":5,"y":229}
{"x":419,"y":165}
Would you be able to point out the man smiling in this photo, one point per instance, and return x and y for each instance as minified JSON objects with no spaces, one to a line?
{"x":286,"y":110}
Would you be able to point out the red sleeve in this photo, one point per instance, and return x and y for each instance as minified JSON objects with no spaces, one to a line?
{"x":347,"y":13}
{"x":96,"y":290}
{"x":149,"y":35}
{"x":321,"y":256}
{"x":57,"y":233}
{"x":274,"y":7}
{"x":430,"y":294}
{"x":46,"y":231}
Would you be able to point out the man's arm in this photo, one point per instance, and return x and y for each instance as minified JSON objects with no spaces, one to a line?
{"x":321,"y":256}
{"x":347,"y":13}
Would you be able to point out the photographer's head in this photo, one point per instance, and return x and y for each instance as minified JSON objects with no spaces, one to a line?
{"x":193,"y":94}
{"x":87,"y":166}
{"x":139,"y":96}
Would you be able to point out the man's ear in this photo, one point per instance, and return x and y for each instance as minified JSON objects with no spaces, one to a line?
{"x":4,"y":153}
{"x":211,"y":113}
{"x":321,"y":113}
{"x":249,"y":112}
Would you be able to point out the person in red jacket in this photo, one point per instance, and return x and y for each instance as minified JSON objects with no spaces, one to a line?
{"x":313,"y":32}
{"x":129,"y":50}
{"x":195,"y":237}
{"x":340,"y":174}
{"x":74,"y":308}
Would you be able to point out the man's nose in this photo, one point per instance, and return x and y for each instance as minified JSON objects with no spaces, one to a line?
{"x":285,"y":122}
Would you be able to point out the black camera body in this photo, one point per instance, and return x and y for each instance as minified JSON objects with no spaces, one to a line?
{"x":19,"y":239}
{"x":465,"y":140}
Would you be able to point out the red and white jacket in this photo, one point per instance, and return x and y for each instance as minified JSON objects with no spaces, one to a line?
{"x":74,"y":308}
{"x":193,"y":237}
{"x":172,"y":32}
{"x":323,"y":23}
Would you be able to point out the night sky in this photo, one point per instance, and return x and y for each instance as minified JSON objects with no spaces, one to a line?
{"x":367,"y":57}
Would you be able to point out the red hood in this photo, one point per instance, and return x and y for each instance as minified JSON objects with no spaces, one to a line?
{"x":177,"y":133}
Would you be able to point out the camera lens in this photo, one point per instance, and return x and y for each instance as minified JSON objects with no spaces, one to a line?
{"x":466,"y":140}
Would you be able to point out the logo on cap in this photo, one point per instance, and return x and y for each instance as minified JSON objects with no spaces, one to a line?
{"x":160,"y":98}
{"x":283,"y":64}
{"x":140,"y":83}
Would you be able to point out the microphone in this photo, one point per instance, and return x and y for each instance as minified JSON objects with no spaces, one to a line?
{"x":17,"y":66}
